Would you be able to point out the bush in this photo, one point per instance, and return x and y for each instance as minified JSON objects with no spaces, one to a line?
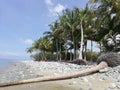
{"x":91,"y":56}
{"x":44,"y":57}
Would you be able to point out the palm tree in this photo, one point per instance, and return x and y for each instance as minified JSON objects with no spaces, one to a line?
{"x":108,"y":17}
{"x":84,"y":16}
{"x":71,"y":21}
{"x":42,"y":46}
{"x":54,"y":36}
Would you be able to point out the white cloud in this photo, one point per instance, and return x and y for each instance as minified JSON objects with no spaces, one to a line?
{"x":56,"y":9}
{"x":27,"y":41}
{"x":59,"y":8}
{"x":49,"y":2}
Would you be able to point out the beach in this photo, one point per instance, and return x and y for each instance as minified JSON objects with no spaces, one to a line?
{"x":69,"y":84}
{"x":107,"y":79}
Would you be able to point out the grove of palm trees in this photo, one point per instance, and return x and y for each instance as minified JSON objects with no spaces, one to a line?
{"x":67,"y":39}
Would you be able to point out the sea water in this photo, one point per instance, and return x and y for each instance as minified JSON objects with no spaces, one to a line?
{"x":4,"y":62}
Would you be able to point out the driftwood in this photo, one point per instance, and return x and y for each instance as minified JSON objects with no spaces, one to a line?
{"x":105,"y":60}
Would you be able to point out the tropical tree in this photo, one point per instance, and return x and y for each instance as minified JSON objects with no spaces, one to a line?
{"x":108,"y":21}
{"x":41,"y":46}
{"x":71,"y":20}
{"x":85,"y":16}
{"x":54,"y":35}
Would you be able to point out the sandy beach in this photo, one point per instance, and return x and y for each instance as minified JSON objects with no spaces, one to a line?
{"x":69,"y":84}
{"x":96,"y":81}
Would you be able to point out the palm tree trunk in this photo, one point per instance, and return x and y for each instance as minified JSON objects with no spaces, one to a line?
{"x":66,"y":52}
{"x":100,"y":47}
{"x":43,"y":55}
{"x":57,"y":48}
{"x":60,"y":49}
{"x":85,"y":56}
{"x":74,"y":44}
{"x":60,"y":53}
{"x":70,"y":55}
{"x":91,"y":49}
{"x":81,"y":45}
{"x":74,"y":55}
{"x":77,"y":48}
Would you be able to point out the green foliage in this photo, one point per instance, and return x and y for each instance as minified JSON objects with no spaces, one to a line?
{"x":50,"y":56}
{"x":107,"y":22}
{"x":46,"y":57}
{"x":91,"y":56}
{"x":36,"y":57}
{"x":99,"y":21}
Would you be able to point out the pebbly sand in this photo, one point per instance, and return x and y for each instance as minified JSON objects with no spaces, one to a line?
{"x":68,"y":84}
{"x":94,"y":81}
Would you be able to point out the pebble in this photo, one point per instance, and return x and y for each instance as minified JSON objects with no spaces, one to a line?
{"x":104,"y":70}
{"x":112,"y":85}
{"x":92,"y":78}
{"x":90,"y":89}
{"x":108,"y":89}
{"x":70,"y":83}
{"x":29,"y":86}
{"x":112,"y":73}
{"x":118,"y":85}
{"x":73,"y":83}
{"x":81,"y":89}
{"x":84,"y":79}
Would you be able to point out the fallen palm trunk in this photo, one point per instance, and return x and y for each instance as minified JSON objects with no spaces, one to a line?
{"x":110,"y":59}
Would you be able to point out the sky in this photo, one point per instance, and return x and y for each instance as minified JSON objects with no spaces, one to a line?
{"x":24,"y":21}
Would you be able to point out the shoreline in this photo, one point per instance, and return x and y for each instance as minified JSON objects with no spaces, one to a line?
{"x":31,"y":69}
{"x":69,"y":84}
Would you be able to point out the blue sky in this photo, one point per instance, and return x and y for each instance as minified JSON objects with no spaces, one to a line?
{"x":24,"y":21}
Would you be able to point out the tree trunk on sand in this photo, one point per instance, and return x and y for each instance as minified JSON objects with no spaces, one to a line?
{"x":85,"y":55}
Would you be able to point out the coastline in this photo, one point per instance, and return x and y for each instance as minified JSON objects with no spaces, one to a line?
{"x":31,"y":69}
{"x":5,"y":64}
{"x":68,"y":84}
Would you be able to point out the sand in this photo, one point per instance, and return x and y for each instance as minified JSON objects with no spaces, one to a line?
{"x":90,"y":82}
{"x":69,"y":84}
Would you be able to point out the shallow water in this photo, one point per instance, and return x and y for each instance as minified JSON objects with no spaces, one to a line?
{"x":7,"y":62}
